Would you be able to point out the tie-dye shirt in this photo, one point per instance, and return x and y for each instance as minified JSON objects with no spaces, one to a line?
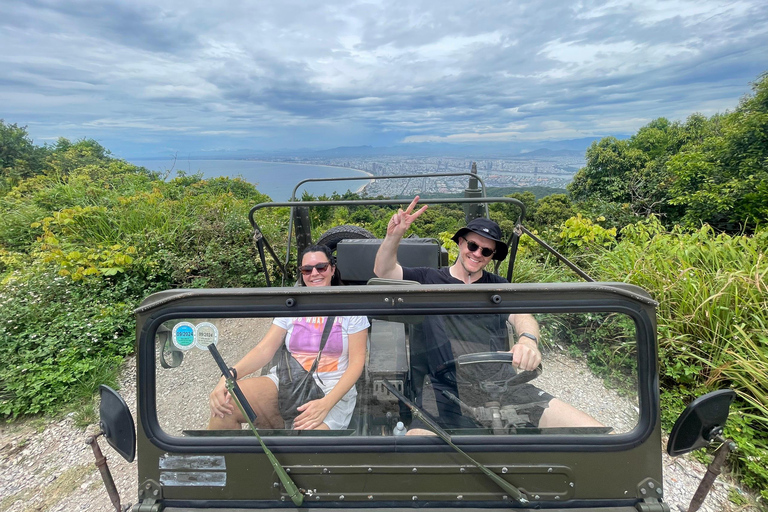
{"x":303,"y":341}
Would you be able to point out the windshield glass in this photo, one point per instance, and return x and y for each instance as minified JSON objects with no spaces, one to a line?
{"x":402,"y":375}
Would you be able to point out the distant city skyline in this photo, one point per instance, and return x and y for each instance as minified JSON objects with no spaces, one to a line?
{"x":151,"y":79}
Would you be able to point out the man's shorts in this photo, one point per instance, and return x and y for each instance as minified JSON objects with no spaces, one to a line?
{"x":529,"y":400}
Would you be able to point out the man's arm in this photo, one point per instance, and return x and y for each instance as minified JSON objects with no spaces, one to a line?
{"x":525,"y":352}
{"x":386,"y":265}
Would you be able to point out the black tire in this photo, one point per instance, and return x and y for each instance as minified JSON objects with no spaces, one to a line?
{"x":333,"y":236}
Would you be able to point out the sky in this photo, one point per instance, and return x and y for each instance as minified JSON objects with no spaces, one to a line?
{"x":156,"y":78}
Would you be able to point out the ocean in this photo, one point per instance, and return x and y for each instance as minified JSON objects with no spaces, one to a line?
{"x":276,"y":179}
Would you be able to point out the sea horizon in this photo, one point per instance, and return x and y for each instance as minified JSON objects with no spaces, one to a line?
{"x":275,"y":179}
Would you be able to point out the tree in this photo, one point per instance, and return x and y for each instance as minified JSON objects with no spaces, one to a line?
{"x":65,"y":156}
{"x":553,"y":210}
{"x":609,"y":162}
{"x":511,"y":212}
{"x":704,"y":170}
{"x":19,"y":157}
{"x":723,"y":179}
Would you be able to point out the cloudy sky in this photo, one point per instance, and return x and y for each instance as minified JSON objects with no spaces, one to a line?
{"x":158,"y":77}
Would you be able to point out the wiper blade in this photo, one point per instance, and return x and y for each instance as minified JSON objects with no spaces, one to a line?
{"x":513,"y":491}
{"x":296,"y":495}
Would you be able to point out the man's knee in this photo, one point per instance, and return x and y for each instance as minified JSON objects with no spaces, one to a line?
{"x":420,"y":432}
{"x":561,"y":414}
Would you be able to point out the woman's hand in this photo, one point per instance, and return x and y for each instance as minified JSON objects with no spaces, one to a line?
{"x":220,"y":400}
{"x":312,"y":414}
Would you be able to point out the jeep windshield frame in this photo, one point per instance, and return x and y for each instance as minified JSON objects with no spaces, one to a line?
{"x":296,"y":452}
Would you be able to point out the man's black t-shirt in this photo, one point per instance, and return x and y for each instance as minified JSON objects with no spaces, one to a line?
{"x":427,"y":275}
{"x":440,"y":339}
{"x":455,"y":335}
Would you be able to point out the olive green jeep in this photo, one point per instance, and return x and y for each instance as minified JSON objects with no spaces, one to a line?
{"x":495,"y":458}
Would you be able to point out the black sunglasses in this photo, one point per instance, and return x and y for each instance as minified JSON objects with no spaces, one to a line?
{"x":321,"y":267}
{"x":472,"y":246}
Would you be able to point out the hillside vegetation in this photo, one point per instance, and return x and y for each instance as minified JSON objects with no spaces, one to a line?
{"x":680,"y":209}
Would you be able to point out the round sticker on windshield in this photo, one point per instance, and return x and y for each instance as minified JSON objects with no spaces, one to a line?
{"x":207,"y":334}
{"x":183,"y":335}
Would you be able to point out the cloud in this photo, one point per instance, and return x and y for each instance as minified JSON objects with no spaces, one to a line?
{"x":193,"y":76}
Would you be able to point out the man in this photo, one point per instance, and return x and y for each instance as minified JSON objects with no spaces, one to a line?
{"x":479,"y":242}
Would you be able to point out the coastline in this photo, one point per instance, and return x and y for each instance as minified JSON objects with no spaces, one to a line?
{"x":268,"y":176}
{"x":362,"y":188}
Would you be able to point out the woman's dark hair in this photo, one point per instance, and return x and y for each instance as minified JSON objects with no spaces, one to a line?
{"x":336,"y":278}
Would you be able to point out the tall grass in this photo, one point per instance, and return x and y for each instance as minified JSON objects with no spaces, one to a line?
{"x":712,"y":319}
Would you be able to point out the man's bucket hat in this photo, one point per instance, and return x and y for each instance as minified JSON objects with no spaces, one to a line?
{"x":487,"y":229}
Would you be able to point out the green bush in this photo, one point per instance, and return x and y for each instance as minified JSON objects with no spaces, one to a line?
{"x":712,"y":319}
{"x":57,"y":333}
{"x":86,"y":241}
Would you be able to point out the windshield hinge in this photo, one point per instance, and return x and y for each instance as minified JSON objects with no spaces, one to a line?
{"x":651,"y":492}
{"x":652,"y":505}
{"x":150,"y":497}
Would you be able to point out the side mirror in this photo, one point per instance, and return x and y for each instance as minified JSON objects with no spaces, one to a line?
{"x":167,"y":350}
{"x":116,"y":423}
{"x":700,"y":423}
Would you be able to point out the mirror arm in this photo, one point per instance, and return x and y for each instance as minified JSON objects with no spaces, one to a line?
{"x":106,"y":475}
{"x":713,"y":470}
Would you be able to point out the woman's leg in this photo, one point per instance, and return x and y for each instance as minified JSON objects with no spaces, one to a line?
{"x":261,"y":393}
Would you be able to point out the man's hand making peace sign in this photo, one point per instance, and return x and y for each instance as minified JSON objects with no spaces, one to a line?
{"x":402,"y":220}
{"x":386,"y":258}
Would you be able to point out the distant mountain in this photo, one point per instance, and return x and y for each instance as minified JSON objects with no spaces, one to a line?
{"x":541,"y":149}
{"x":580,"y":145}
{"x":572,"y":147}
{"x":537,"y":191}
{"x":351,"y":151}
{"x":552,"y":152}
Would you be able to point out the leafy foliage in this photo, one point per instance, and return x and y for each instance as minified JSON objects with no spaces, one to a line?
{"x":706,"y":170}
{"x":712,"y":318}
{"x":723,"y":180}
{"x":86,"y":238}
{"x":56,"y":334}
{"x":627,"y":179}
{"x":19,"y":157}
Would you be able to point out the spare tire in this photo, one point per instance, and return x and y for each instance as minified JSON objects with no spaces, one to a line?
{"x":333,"y":236}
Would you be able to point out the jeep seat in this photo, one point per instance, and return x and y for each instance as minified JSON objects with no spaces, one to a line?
{"x":355,"y":257}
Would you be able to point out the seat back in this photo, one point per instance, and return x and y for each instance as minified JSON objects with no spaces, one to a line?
{"x":355,"y":257}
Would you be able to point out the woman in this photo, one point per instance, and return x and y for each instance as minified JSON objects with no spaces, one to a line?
{"x":341,"y":362}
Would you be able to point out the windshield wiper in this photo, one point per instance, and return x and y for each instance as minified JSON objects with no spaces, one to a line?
{"x":516,"y":493}
{"x":296,"y":494}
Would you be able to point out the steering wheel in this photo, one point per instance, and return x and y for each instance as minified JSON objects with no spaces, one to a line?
{"x":512,"y":376}
{"x":482,"y":381}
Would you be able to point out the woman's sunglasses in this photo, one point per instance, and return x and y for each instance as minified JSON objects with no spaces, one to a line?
{"x":472,"y":246}
{"x":321,"y":267}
